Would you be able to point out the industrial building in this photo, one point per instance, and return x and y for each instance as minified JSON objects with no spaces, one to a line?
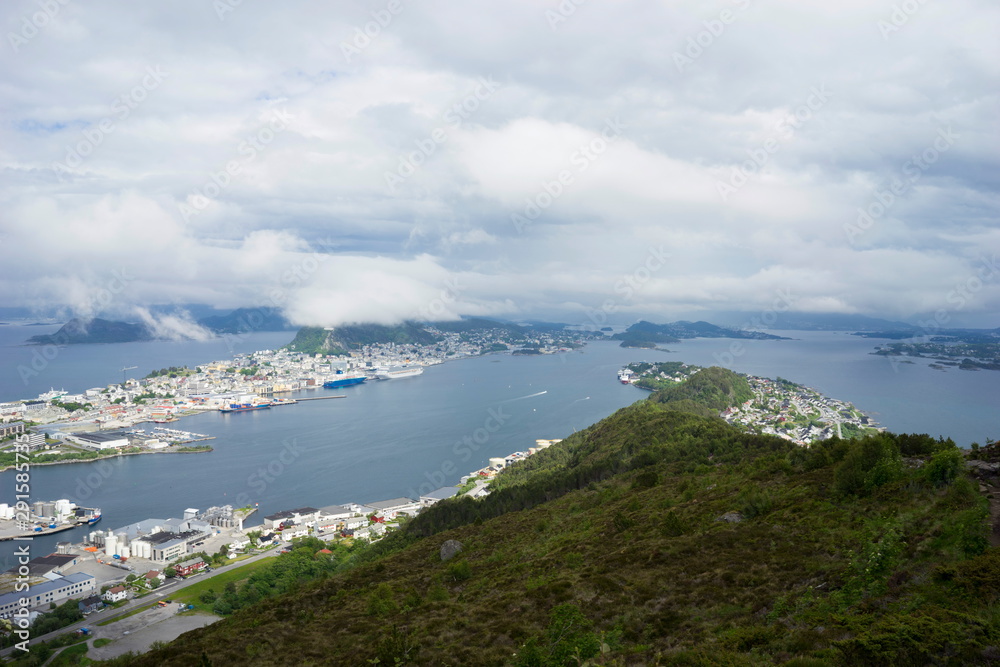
{"x":100,"y":440}
{"x":70,"y":586}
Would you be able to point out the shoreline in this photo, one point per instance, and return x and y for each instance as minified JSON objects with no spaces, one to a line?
{"x":109,"y":456}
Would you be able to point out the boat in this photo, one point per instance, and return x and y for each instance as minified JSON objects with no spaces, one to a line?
{"x":244,"y":407}
{"x":91,"y":515}
{"x":627,"y":376}
{"x":342,"y":379}
{"x":395,"y":373}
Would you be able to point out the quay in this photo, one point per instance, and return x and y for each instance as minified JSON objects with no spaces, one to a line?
{"x":13,"y":532}
{"x":319,"y":398}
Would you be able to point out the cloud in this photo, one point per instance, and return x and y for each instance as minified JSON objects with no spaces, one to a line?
{"x":806,"y":141}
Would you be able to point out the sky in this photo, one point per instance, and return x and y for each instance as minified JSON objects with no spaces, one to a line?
{"x":582,"y":161}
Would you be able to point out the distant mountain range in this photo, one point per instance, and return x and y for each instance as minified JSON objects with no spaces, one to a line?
{"x":99,"y":330}
{"x":815,"y":322}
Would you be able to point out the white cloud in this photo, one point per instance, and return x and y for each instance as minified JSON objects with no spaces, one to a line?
{"x":320,"y":182}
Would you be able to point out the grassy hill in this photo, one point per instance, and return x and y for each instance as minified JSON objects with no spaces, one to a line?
{"x":657,"y":536}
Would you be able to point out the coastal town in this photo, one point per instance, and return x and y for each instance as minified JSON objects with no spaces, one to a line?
{"x":111,"y":566}
{"x":778,"y":407}
{"x":798,"y":413}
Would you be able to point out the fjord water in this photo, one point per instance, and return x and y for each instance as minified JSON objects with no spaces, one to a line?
{"x":401,"y":437}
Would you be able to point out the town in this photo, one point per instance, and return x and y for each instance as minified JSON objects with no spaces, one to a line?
{"x":64,"y":426}
{"x":797,"y":413}
{"x":778,"y":407}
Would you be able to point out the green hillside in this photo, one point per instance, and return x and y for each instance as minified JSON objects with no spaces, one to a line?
{"x":655,"y":537}
{"x":317,"y":340}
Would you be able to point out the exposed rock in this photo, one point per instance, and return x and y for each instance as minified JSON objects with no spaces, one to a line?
{"x":450,"y":548}
{"x":731,"y":517}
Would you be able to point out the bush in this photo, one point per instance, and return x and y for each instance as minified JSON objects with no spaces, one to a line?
{"x":459,"y":571}
{"x":870,"y":463}
{"x":944,"y":466}
{"x":754,"y":503}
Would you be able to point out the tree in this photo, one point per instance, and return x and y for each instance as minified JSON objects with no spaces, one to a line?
{"x":170,"y":572}
{"x":154,"y":583}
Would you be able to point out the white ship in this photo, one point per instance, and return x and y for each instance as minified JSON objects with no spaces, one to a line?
{"x":394,"y":373}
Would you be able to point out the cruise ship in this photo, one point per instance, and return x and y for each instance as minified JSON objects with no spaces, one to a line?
{"x":342,"y":379}
{"x":394,"y":373}
{"x":243,"y":407}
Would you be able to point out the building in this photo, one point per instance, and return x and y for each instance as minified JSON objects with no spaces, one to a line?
{"x":332,"y":517}
{"x":437,"y":495}
{"x":91,"y":604}
{"x":109,"y":440}
{"x":161,"y":540}
{"x":50,"y":566}
{"x":154,"y":575}
{"x":190,"y":566}
{"x":304,"y":515}
{"x":13,"y":428}
{"x":116,"y":594}
{"x":72,"y":585}
{"x":390,"y":509}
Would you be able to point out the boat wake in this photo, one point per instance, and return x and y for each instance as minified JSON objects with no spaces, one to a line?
{"x":521,"y":398}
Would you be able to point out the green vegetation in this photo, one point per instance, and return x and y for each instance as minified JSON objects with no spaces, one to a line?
{"x":41,"y":652}
{"x":706,"y":393}
{"x":172,"y":371}
{"x":103,"y":641}
{"x":317,"y":340}
{"x":657,"y":536}
{"x":71,"y":406}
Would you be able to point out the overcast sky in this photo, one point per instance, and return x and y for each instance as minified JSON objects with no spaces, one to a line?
{"x":388,"y":160}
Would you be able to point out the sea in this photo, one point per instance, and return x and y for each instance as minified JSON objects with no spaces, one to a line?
{"x":406,"y":436}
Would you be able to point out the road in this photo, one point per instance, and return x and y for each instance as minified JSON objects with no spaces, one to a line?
{"x":166,"y":590}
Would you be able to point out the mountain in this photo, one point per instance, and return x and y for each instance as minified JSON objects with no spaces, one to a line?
{"x":243,"y":320}
{"x":816,"y":322}
{"x":655,"y":537}
{"x":641,"y":334}
{"x":317,"y":340}
{"x":97,"y":330}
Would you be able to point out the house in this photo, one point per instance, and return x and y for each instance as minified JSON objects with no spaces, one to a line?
{"x":90,"y":604}
{"x":268,"y":539}
{"x":116,"y":594}
{"x":190,"y":566}
{"x":355,"y":522}
{"x":294,"y":532}
{"x":154,"y":575}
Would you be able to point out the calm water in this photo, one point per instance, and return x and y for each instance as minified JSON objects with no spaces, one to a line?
{"x":400,"y":437}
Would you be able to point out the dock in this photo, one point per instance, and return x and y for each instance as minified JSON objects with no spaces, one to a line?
{"x":320,"y":398}
{"x":12,"y":532}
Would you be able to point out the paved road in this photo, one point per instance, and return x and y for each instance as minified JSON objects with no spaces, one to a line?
{"x":166,"y":590}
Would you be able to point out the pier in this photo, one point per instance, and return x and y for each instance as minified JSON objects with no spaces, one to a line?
{"x":319,"y":398}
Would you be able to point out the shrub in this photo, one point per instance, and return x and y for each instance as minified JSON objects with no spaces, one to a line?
{"x":754,"y":503}
{"x":870,"y":463}
{"x":458,"y":571}
{"x":945,"y":465}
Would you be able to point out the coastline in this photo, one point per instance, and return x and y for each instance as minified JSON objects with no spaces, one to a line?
{"x":111,"y":456}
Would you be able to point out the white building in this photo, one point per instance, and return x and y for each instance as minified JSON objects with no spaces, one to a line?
{"x":71,"y":586}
